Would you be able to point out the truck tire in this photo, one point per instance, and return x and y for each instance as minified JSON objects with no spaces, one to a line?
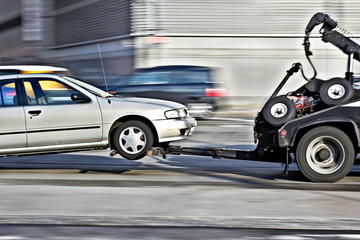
{"x":336,"y":91}
{"x":132,"y":139}
{"x":278,"y":110}
{"x":325,"y":154}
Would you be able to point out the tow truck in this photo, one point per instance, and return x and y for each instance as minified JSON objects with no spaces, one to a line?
{"x":316,"y":125}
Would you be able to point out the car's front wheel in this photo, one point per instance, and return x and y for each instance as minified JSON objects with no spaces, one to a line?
{"x":132,"y":139}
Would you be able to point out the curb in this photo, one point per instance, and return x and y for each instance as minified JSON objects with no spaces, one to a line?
{"x":206,"y":222}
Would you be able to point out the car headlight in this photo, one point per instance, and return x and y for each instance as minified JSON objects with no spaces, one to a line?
{"x":176,"y":113}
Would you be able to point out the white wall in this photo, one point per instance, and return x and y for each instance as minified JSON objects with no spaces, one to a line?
{"x":248,"y":67}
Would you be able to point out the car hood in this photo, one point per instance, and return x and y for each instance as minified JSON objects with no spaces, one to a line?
{"x":148,"y":101}
{"x":116,"y":107}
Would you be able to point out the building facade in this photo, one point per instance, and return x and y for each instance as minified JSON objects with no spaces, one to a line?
{"x":249,"y":43}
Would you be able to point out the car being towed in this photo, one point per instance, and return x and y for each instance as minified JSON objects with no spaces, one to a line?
{"x":43,"y":113}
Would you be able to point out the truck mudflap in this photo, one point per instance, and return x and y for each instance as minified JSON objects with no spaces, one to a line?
{"x":279,"y":155}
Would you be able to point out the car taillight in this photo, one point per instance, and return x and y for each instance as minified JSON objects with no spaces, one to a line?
{"x":215,"y":92}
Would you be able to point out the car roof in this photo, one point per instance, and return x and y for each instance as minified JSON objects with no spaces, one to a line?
{"x":30,"y":75}
{"x":24,"y":69}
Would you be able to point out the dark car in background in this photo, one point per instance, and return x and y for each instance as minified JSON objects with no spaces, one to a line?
{"x":190,"y":85}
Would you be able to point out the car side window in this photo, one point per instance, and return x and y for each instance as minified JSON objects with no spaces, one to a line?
{"x":48,"y":91}
{"x":147,"y":78}
{"x":192,"y":76}
{"x":8,"y":93}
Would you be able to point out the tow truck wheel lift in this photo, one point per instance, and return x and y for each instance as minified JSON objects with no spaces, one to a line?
{"x":220,"y":153}
{"x":317,"y":125}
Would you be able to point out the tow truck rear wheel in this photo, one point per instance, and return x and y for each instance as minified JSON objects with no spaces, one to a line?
{"x":279,"y":110}
{"x":325,"y":154}
{"x":336,"y":91}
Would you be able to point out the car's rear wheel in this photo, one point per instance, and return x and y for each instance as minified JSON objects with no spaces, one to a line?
{"x":325,"y":154}
{"x":133,"y":139}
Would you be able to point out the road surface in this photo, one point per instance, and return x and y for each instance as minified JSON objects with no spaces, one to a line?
{"x":90,"y":189}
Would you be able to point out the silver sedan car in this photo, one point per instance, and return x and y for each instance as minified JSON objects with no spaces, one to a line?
{"x":43,"y":113}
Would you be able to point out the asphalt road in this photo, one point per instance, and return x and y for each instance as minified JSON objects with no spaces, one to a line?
{"x":178,"y":193}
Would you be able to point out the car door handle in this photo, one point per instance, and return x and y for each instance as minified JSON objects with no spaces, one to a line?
{"x":34,"y":112}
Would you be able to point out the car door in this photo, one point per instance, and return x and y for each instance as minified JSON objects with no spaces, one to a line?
{"x":53,"y":118}
{"x":12,"y":119}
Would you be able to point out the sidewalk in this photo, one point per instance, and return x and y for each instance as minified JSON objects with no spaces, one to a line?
{"x":204,"y":222}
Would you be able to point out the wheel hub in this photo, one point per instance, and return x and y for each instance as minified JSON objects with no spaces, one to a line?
{"x":325,"y":155}
{"x":278,"y":110}
{"x":132,"y":140}
{"x":336,"y":91}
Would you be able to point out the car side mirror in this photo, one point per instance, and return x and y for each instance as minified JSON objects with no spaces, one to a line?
{"x":80,"y":98}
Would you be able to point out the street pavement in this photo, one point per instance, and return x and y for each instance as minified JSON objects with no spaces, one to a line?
{"x":90,"y":188}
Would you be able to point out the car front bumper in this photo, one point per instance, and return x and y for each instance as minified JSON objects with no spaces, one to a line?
{"x":169,"y":130}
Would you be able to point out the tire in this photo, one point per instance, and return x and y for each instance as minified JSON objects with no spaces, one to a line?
{"x":325,"y":154}
{"x":278,"y":111}
{"x":336,"y":91}
{"x":133,"y":139}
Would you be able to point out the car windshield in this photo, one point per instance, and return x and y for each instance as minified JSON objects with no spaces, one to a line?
{"x":94,"y":90}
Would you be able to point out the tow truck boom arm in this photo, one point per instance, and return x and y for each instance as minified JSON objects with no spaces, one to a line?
{"x":329,"y":34}
{"x":319,"y":18}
